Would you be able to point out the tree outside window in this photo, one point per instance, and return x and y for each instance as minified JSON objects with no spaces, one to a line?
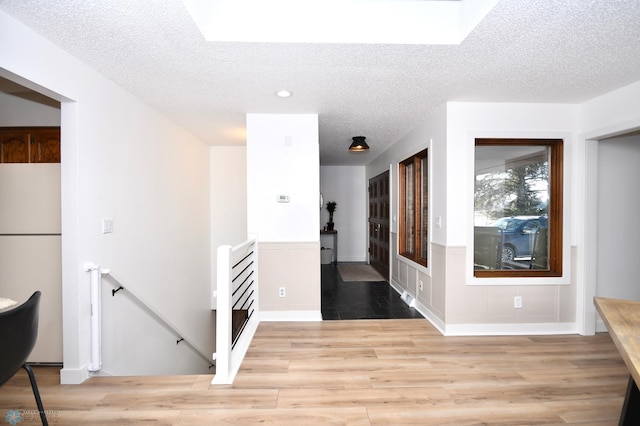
{"x":518,"y":207}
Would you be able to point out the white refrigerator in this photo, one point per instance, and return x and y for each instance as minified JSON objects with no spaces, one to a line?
{"x":30,"y":248}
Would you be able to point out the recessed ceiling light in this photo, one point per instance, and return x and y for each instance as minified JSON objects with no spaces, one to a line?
{"x":283,"y":93}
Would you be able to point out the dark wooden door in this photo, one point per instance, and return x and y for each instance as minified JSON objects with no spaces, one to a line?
{"x":379,"y":223}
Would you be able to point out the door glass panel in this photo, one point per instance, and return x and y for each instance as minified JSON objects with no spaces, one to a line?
{"x":424,"y":217}
{"x":409,"y":212}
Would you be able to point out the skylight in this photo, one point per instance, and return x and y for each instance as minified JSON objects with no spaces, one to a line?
{"x":339,"y":21}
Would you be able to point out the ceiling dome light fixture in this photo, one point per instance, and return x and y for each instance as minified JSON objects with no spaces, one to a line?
{"x":358,"y":144}
{"x":283,"y":93}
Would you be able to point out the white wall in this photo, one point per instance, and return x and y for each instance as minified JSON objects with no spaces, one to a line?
{"x":20,"y":111}
{"x":122,"y":160}
{"x":228,"y":200}
{"x":405,"y":275}
{"x":616,"y":111}
{"x":283,"y":160}
{"x":546,"y":301}
{"x":618,"y":212}
{"x":429,"y":134}
{"x":609,"y":115}
{"x":452,"y":298}
{"x":347,"y":186}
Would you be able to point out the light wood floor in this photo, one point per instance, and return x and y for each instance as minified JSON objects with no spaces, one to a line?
{"x":373,"y":372}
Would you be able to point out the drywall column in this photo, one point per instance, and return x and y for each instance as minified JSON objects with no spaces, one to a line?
{"x":228,"y":202}
{"x":283,"y":167}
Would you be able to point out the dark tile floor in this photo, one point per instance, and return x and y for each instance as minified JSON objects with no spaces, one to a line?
{"x":360,"y":300}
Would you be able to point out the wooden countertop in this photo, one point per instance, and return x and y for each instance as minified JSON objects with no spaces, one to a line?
{"x":622,"y":318}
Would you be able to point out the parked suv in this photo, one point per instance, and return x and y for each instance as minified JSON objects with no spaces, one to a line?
{"x":518,"y":235}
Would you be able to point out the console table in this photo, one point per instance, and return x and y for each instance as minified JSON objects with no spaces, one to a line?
{"x":622,"y":318}
{"x":333,"y":233}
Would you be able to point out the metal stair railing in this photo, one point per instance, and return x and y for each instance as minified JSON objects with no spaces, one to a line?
{"x":236,"y":307}
{"x":179,"y":335}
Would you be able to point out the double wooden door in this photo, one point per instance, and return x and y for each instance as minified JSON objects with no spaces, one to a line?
{"x":379,"y":223}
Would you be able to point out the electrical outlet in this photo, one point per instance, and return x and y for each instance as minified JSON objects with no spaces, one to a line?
{"x":421,"y":285}
{"x":282,"y":292}
{"x":517,"y":302}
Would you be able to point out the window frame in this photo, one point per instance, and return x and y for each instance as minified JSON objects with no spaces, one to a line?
{"x":555,"y":213}
{"x":420,"y":207}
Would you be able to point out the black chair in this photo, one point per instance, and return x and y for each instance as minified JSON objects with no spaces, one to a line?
{"x":487,"y":248}
{"x":540,"y":253}
{"x":18,"y":334}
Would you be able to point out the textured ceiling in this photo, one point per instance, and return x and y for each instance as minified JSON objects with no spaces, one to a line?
{"x":556,"y":51}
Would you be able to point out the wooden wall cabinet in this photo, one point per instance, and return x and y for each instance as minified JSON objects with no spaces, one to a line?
{"x":29,"y":144}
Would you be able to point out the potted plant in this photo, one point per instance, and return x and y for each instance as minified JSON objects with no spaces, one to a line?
{"x":331,"y":207}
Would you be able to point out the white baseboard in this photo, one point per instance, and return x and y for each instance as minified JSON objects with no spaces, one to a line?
{"x":431,"y":317}
{"x":358,"y":259}
{"x":397,"y":287}
{"x":73,"y":376}
{"x":524,"y":329}
{"x":101,"y":373}
{"x":300,"y":316}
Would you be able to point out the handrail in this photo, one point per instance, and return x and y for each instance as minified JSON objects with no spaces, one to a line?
{"x":168,"y":324}
{"x":237,"y":289}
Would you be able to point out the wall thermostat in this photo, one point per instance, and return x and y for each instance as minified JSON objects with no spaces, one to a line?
{"x":283,"y":198}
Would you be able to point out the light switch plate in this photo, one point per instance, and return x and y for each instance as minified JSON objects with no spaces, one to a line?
{"x":107,"y":226}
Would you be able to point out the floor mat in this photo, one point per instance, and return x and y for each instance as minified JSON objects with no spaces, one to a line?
{"x":357,"y":272}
